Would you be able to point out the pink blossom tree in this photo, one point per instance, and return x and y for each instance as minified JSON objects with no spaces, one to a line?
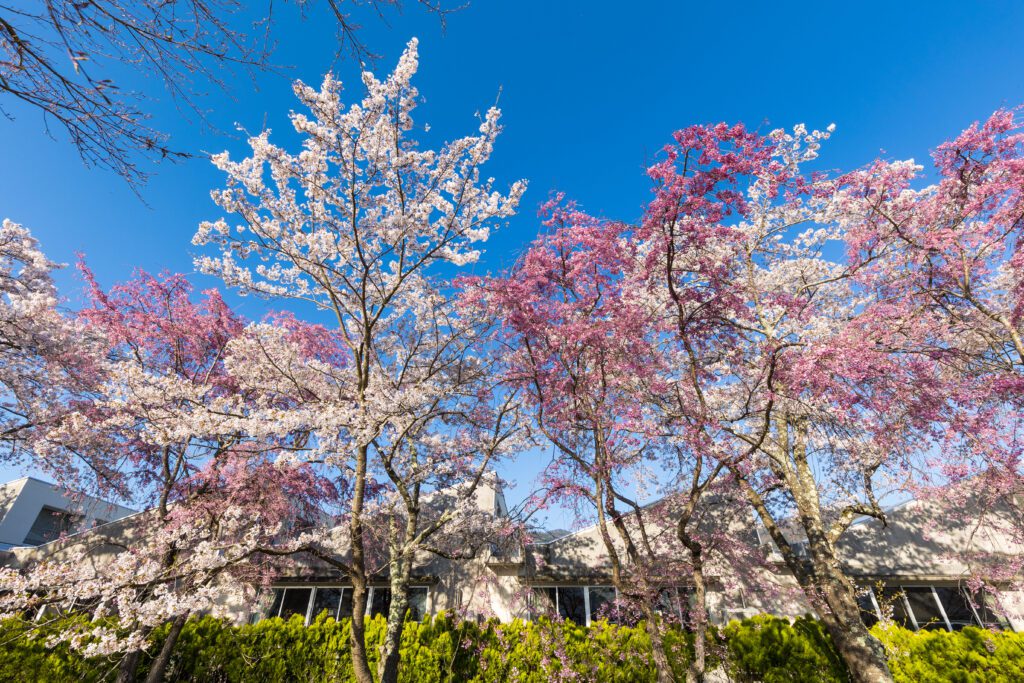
{"x":789,"y":350}
{"x":151,"y":427}
{"x":953,"y":264}
{"x":361,"y":226}
{"x":586,"y":349}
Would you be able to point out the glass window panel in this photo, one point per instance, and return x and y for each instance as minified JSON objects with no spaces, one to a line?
{"x":668,"y":604}
{"x":571,"y":604}
{"x":602,"y":603}
{"x":345,"y":611}
{"x":867,"y":609}
{"x":543,"y":602}
{"x":957,"y":606}
{"x":926,"y":610}
{"x":50,"y":524}
{"x":275,"y":606}
{"x":380,"y":601}
{"x":989,"y":612}
{"x":326,"y":599}
{"x":417,"y":603}
{"x":296,"y":601}
{"x":686,"y":599}
{"x":892,"y":599}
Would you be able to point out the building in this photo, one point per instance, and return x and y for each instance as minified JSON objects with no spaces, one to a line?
{"x":916,"y":569}
{"x":913,"y":569}
{"x":34,"y":512}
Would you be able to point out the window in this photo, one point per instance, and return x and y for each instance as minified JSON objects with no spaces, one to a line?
{"x":543,"y":602}
{"x":380,"y":601}
{"x":582,"y":605}
{"x":933,"y":608}
{"x":602,"y":603}
{"x":295,"y":601}
{"x":275,"y":605}
{"x":687,"y":599}
{"x":572,"y":604}
{"x":669,"y":605}
{"x":868,"y":608}
{"x":925,"y":608}
{"x":311,"y":601}
{"x":893,"y":599}
{"x":989,"y":614}
{"x":418,"y":603}
{"x":49,"y":525}
{"x":326,"y":599}
{"x":956,"y":606}
{"x":345,"y":609}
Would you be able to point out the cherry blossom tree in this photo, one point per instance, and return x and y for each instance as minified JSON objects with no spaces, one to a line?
{"x":953,"y":264}
{"x":363,"y":225}
{"x":788,"y":349}
{"x":572,"y":351}
{"x":595,"y":354}
{"x":583,"y":344}
{"x":150,"y":426}
{"x":46,"y":357}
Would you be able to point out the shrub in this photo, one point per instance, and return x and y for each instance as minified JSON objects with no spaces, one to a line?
{"x":770,"y":649}
{"x":972,"y":655}
{"x":446,"y":650}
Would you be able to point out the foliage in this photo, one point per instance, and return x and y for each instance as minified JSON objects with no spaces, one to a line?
{"x":442,"y":649}
{"x":770,"y":649}
{"x":972,"y":655}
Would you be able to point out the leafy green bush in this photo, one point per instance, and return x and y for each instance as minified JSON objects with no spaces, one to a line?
{"x":25,"y":654}
{"x":770,"y":649}
{"x":443,"y":650}
{"x":972,"y":655}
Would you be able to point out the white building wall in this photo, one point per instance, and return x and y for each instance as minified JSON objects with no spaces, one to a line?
{"x":22,"y":500}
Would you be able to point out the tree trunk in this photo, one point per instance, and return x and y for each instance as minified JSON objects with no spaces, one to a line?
{"x":608,"y":510}
{"x":357,"y":632}
{"x":698,"y":667}
{"x":661,"y":665}
{"x":390,"y":656}
{"x":402,"y":558}
{"x":126,"y":669}
{"x":863,"y":654}
{"x":159,"y":666}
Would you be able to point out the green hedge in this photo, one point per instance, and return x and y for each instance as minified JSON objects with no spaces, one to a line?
{"x":440,"y":650}
{"x":770,"y":649}
{"x":973,"y":655}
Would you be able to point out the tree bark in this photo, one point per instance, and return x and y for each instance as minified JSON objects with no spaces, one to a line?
{"x":159,"y":667}
{"x":357,"y":632}
{"x":390,"y":655}
{"x":402,"y":557}
{"x":661,"y":665}
{"x":697,"y":669}
{"x":863,"y":654}
{"x":126,"y":669}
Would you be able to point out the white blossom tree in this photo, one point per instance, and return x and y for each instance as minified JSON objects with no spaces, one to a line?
{"x":46,"y":356}
{"x":363,"y":225}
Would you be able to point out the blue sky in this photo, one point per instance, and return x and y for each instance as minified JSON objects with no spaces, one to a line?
{"x":590,"y":92}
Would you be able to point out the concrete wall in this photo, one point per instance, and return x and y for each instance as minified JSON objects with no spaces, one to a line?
{"x":22,"y":500}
